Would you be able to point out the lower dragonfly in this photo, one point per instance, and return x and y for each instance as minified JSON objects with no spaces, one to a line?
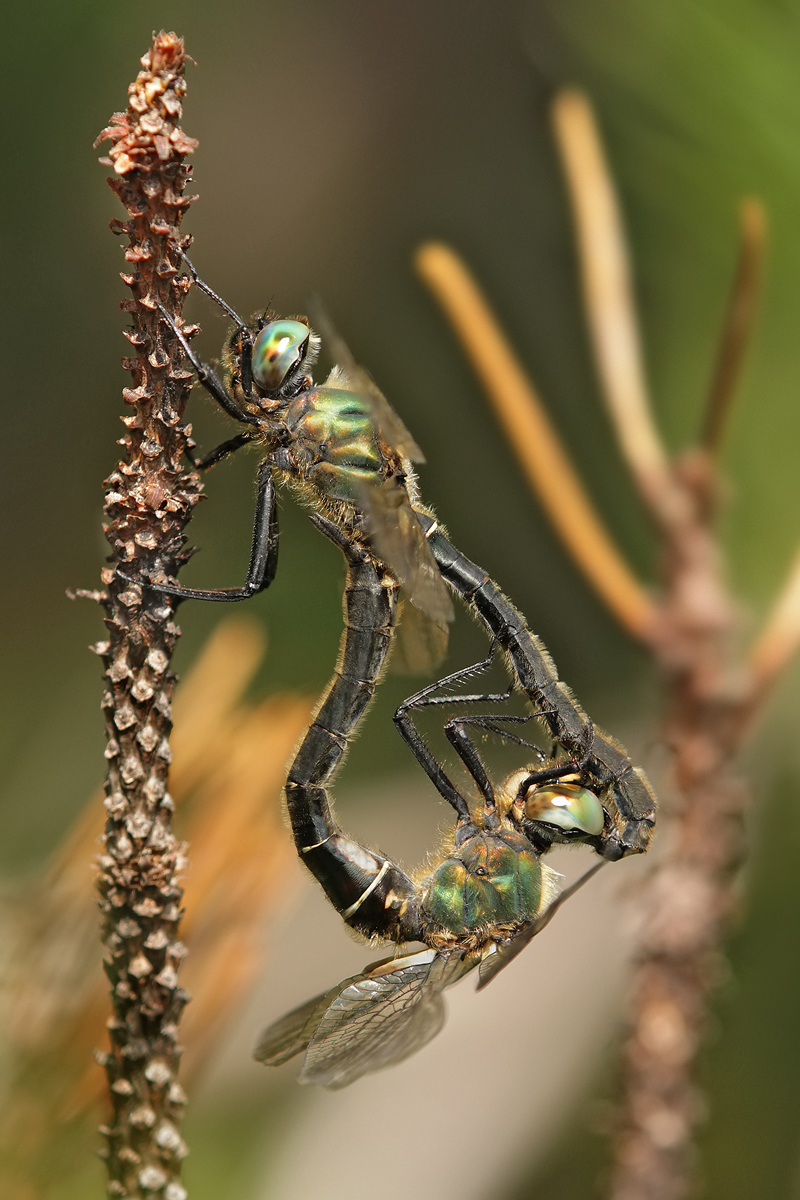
{"x":483,"y":901}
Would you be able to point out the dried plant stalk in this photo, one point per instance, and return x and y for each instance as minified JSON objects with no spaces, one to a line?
{"x":608,"y":291}
{"x":535,"y":440}
{"x":149,"y":499}
{"x":226,"y":779}
{"x":779,"y":640}
{"x":713,"y":694}
{"x":739,"y":320}
{"x":690,"y":896}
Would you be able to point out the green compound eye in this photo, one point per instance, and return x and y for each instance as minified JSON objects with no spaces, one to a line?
{"x":567,"y":806}
{"x":277,"y":350}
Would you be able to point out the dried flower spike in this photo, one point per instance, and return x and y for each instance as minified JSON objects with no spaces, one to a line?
{"x":149,"y":499}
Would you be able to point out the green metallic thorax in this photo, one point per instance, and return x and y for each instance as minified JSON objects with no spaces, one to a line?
{"x":335,"y":444}
{"x":489,"y":879}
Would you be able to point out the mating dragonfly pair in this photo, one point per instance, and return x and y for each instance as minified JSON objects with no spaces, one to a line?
{"x":346,"y":452}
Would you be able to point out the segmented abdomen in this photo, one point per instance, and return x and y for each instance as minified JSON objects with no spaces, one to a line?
{"x":370,"y":892}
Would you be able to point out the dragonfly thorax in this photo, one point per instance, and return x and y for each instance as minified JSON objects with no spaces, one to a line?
{"x":486,"y":885}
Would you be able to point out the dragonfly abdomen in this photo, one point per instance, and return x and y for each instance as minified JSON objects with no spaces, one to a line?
{"x":531,"y":662}
{"x":370,"y":892}
{"x":631,"y":790}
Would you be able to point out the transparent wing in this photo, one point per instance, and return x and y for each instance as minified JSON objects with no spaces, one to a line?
{"x":292,"y":1033}
{"x":419,"y":643}
{"x":399,"y":540}
{"x":387,"y":422}
{"x":381,"y":1017}
{"x":493,"y":964}
{"x":396,"y":534}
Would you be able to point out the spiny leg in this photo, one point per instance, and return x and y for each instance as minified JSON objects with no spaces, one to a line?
{"x":413,"y":739}
{"x":432,"y":768}
{"x":456,"y":733}
{"x":209,"y":292}
{"x":466,"y":750}
{"x":207,"y":377}
{"x":492,"y":724}
{"x":263,"y":554}
{"x":224,"y":450}
{"x":425,"y":698}
{"x":241,"y":332}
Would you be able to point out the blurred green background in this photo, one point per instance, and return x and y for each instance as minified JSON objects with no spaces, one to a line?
{"x":333,"y":139}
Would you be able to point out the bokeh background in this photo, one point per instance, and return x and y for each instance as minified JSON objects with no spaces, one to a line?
{"x":334,"y":138}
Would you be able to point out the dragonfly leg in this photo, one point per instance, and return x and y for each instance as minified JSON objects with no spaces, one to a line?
{"x":425,"y":697}
{"x":433,"y":769}
{"x":241,"y":330}
{"x":492,"y":724}
{"x":413,"y":739}
{"x":466,"y":750}
{"x":206,"y":375}
{"x":263,"y":554}
{"x":224,"y":450}
{"x":456,"y":733}
{"x":209,"y":291}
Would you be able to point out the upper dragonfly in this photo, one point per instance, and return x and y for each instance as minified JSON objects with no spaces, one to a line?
{"x":339,"y":444}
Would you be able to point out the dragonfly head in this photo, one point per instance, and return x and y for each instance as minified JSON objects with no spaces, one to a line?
{"x":559,"y":811}
{"x":282,"y":352}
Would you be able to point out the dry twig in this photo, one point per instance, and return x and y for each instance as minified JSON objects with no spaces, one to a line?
{"x":534,"y":439}
{"x":712,"y":695}
{"x":739,"y":320}
{"x":609,"y":301}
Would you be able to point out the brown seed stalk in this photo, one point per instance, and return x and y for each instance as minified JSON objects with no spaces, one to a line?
{"x":149,"y":499}
{"x":712,"y":692}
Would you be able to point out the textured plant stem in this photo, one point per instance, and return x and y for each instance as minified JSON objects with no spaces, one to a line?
{"x":713,"y":693}
{"x":739,"y":322}
{"x":691,"y":894}
{"x":148,"y":501}
{"x":535,"y":440}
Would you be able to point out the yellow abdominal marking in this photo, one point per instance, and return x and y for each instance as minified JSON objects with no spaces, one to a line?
{"x":316,"y":846}
{"x":348,"y":912}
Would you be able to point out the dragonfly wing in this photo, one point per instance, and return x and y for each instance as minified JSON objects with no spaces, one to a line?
{"x":292,"y":1033}
{"x":381,"y":1019}
{"x":387,"y":422}
{"x":399,"y":540}
{"x":493,"y":964}
{"x":394,"y":530}
{"x":419,"y":643}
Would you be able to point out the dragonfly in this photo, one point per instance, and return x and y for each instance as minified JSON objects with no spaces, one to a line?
{"x":340,"y":445}
{"x":486,"y":896}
